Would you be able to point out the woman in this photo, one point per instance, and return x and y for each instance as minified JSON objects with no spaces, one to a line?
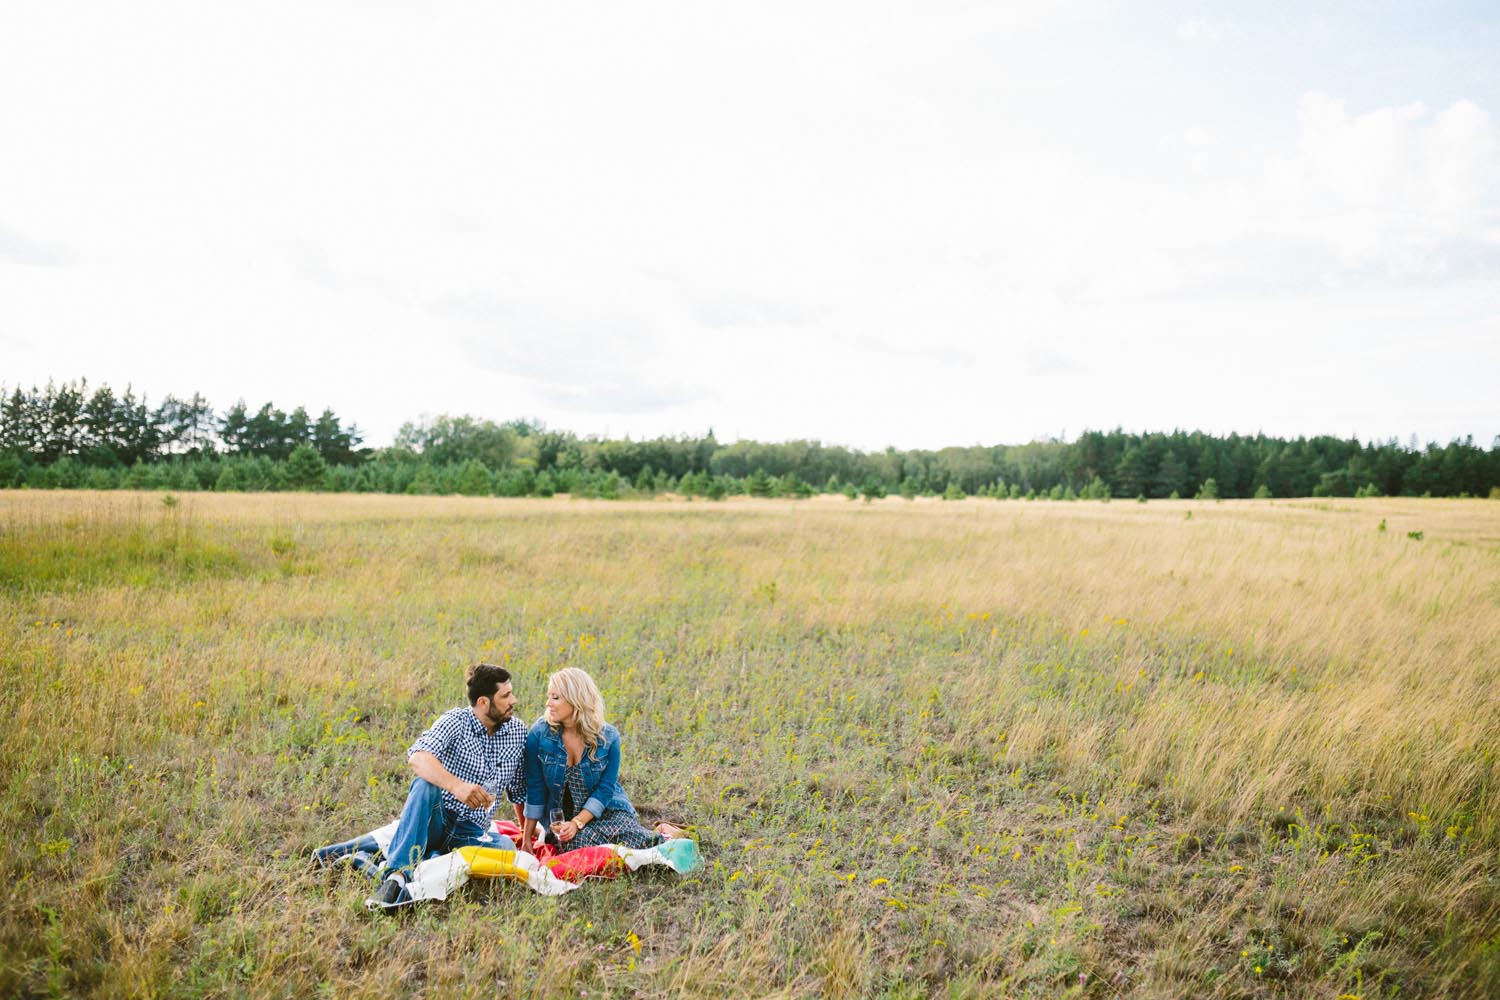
{"x":572,"y":772}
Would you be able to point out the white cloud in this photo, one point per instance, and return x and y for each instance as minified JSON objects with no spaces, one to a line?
{"x":1198,"y":30}
{"x":1399,"y":189}
{"x":912,"y":224}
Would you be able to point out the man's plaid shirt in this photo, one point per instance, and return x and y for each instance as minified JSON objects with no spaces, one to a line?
{"x":461,"y":744}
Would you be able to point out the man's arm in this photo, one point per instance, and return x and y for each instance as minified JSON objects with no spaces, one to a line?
{"x":430,"y":769}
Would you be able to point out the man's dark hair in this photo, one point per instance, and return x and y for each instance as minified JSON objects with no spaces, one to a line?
{"x":483,"y":679}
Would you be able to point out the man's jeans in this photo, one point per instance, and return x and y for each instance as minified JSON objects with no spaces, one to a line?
{"x":364,"y":850}
{"x":426,"y":830}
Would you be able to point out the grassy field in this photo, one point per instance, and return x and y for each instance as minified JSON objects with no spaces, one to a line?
{"x":1245,"y":749}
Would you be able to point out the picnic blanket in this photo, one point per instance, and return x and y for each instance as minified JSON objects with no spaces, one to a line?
{"x":546,"y":872}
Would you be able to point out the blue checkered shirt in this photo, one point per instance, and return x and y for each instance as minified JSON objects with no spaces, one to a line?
{"x":461,"y":744}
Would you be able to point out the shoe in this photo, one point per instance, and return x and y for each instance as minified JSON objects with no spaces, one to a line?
{"x":392,"y":891}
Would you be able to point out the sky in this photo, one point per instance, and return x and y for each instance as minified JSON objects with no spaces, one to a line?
{"x":944,"y":222}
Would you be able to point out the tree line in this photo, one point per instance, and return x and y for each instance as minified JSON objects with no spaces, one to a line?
{"x":76,"y":436}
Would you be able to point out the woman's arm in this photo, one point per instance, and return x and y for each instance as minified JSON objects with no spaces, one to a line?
{"x":536,"y":786}
{"x":608,"y":785}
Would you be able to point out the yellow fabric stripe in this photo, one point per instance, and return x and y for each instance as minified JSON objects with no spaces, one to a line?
{"x":492,"y":862}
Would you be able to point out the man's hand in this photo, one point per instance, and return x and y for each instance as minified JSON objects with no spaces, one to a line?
{"x":472,"y":795}
{"x":429,"y":768}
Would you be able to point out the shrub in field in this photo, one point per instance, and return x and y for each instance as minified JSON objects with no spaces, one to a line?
{"x":474,"y":479}
{"x":229,"y":479}
{"x":758,"y":484}
{"x":520,"y":482}
{"x":305,"y":468}
{"x":791,"y":486}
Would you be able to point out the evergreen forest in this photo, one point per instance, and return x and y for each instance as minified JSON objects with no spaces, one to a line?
{"x":73,"y":435}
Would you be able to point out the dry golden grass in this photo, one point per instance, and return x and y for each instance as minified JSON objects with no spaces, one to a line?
{"x":979,"y":748}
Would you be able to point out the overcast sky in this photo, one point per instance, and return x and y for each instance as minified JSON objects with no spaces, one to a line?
{"x":909,"y":224}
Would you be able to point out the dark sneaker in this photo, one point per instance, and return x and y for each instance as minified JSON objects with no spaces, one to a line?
{"x":392,"y":892}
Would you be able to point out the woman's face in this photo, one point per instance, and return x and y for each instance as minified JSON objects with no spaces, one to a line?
{"x":559,"y":712}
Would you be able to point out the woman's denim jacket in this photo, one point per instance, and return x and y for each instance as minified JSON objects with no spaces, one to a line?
{"x":547,"y":773}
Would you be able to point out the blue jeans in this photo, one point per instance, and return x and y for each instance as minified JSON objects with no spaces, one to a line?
{"x":426,"y":830}
{"x":365,"y":847}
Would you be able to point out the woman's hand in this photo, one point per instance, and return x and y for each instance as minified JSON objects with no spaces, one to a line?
{"x":528,"y":835}
{"x":566,"y":830}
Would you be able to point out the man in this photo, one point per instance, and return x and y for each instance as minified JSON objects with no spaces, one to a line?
{"x":461,"y":764}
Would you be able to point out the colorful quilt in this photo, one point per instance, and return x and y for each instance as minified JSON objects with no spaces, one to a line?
{"x":546,"y":872}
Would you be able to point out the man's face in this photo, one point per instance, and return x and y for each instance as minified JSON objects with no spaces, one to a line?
{"x":499,"y":708}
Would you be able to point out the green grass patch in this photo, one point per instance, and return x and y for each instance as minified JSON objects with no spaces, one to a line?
{"x":147,"y":553}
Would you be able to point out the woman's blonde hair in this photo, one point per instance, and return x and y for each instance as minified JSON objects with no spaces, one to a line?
{"x":578,"y":689}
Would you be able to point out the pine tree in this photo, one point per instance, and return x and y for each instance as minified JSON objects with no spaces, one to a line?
{"x":305,"y":468}
{"x":474,"y":479}
{"x":233,"y":429}
{"x":1171,"y":475}
{"x":335,"y":444}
